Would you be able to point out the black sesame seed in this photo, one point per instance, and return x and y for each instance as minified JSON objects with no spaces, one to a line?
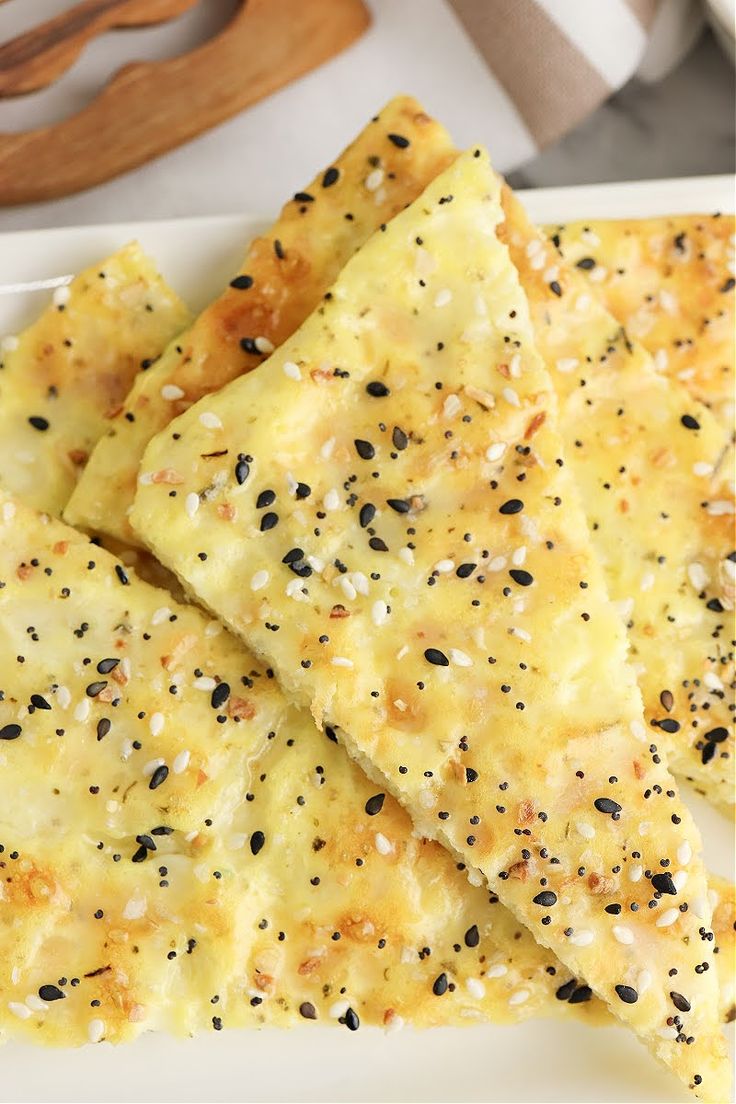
{"x":269,"y":521}
{"x":523,"y":578}
{"x":367,"y":514}
{"x":374,"y":804}
{"x":242,"y":471}
{"x":50,"y":993}
{"x":105,"y":666}
{"x":308,"y":1011}
{"x":729,"y":284}
{"x":96,"y":688}
{"x":377,"y":389}
{"x":39,"y":702}
{"x":103,"y":727}
{"x":546,"y":898}
{"x":582,"y":993}
{"x":220,"y":695}
{"x":303,"y":490}
{"x":352,"y":1022}
{"x":566,"y":991}
{"x":689,"y":422}
{"x":512,"y":506}
{"x":399,"y":140}
{"x":10,"y":732}
{"x":364,"y":449}
{"x":440,"y":985}
{"x":435,"y":656}
{"x":716,"y":735}
{"x":399,"y":439}
{"x":331,"y":177}
{"x":471,"y":775}
{"x":242,"y":283}
{"x":472,"y":936}
{"x":586,"y":263}
{"x":607,"y":805}
{"x":669,"y":724}
{"x":555,"y":288}
{"x":663,"y":883}
{"x":709,"y":751}
{"x":293,"y":556}
{"x":39,"y":423}
{"x":682,"y":1004}
{"x":378,"y":545}
{"x":265,"y":498}
{"x":257,"y":841}
{"x":160,"y":775}
{"x":627,"y":994}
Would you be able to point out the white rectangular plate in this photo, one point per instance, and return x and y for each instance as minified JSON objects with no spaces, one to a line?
{"x":542,"y":1060}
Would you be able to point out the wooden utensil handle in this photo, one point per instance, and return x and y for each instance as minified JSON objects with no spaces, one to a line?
{"x":149,"y":108}
{"x":38,"y":57}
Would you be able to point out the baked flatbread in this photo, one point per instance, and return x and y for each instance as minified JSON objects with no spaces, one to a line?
{"x":283,"y":277}
{"x":645,"y":456}
{"x":670,"y":281}
{"x":181,"y":851}
{"x":63,"y":378}
{"x":406,"y":433}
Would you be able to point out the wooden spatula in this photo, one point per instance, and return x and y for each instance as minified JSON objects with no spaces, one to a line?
{"x":150,"y":107}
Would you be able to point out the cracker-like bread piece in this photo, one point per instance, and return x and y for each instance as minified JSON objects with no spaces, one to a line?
{"x":670,"y":281}
{"x":645,"y":456}
{"x":218,"y":926}
{"x":64,"y":377}
{"x":407,"y":436}
{"x":282,"y":279}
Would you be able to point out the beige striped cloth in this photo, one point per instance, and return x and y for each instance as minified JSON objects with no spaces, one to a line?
{"x":557,"y":60}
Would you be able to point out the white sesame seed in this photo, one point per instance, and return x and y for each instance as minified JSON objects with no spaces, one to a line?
{"x":347,"y":588}
{"x":668,"y":301}
{"x":497,"y":971}
{"x":8,"y":511}
{"x":326,"y":450}
{"x":35,"y":1003}
{"x":209,"y":420}
{"x":635,"y":873}
{"x":533,"y":247}
{"x":697,"y":575}
{"x":679,"y":879}
{"x":476,"y":988}
{"x":170,"y":392}
{"x":361,"y":583}
{"x":95,"y":1030}
{"x":519,"y":556}
{"x":135,"y":908}
{"x":403,"y":650}
{"x":204,"y":682}
{"x":598,"y":274}
{"x":61,"y":296}
{"x":623,"y":934}
{"x":156,"y":724}
{"x":460,"y":659}
{"x":495,"y":451}
{"x":9,"y":344}
{"x":720,"y":507}
{"x":63,"y":697}
{"x":644,"y":828}
{"x":703,"y":468}
{"x":637,"y":729}
{"x":552,"y":273}
{"x":160,"y":615}
{"x":537,"y":262}
{"x":316,"y":563}
{"x":667,"y":918}
{"x":259,"y":580}
{"x":292,"y":370}
{"x":374,"y":180}
{"x":331,"y":500}
{"x":587,"y":831}
{"x":712,"y":681}
{"x":294,"y":589}
{"x":424,"y":262}
{"x":341,"y":661}
{"x":395,"y":1023}
{"x":191,"y":504}
{"x":511,"y":396}
{"x":263,"y":345}
{"x":81,"y":710}
{"x":379,"y":612}
{"x":728,"y":566}
{"x":668,"y":1032}
{"x":647,"y":581}
{"x":383,"y":845}
{"x":582,"y":303}
{"x":19,"y":1010}
{"x":15,"y":975}
{"x":407,"y":555}
{"x":699,"y":906}
{"x":213,"y":628}
{"x":181,"y":762}
{"x":519,"y":997}
{"x":643,"y":981}
{"x":451,"y":406}
{"x":567,"y":364}
{"x":582,"y":938}
{"x":338,"y":1009}
{"x":684,"y":853}
{"x":151,"y":766}
{"x":444,"y":566}
{"x":443,"y":297}
{"x":237,"y":840}
{"x":661,"y":360}
{"x":498,"y":563}
{"x":521,"y":633}
{"x":515,"y":366}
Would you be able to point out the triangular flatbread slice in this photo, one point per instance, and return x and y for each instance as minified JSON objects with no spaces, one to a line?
{"x":282,"y":279}
{"x":64,"y":377}
{"x":397,"y":461}
{"x":645,"y":456}
{"x":181,"y":851}
{"x":670,"y":281}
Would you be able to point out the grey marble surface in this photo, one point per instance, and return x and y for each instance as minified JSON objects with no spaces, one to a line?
{"x":682,"y":126}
